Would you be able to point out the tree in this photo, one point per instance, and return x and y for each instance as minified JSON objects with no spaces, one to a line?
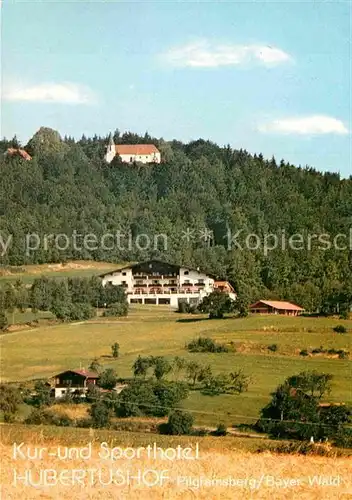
{"x":108,"y":379}
{"x":313,"y":383}
{"x":95,"y":366}
{"x":193,"y":371}
{"x":216,"y":304}
{"x":10,"y":399}
{"x":41,"y":394}
{"x":114,"y":295}
{"x":100,"y":414}
{"x":3,"y":321}
{"x":92,"y":394}
{"x":140,"y":366}
{"x":161,"y":367}
{"x":115,"y":350}
{"x":137,"y":399}
{"x":179,"y":422}
{"x":169,"y":395}
{"x":116,"y":309}
{"x":179,"y":365}
{"x":294,"y":410}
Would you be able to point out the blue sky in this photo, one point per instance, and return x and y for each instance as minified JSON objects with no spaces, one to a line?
{"x":271,"y":77}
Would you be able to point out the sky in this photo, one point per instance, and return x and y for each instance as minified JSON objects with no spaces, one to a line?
{"x":270,"y":77}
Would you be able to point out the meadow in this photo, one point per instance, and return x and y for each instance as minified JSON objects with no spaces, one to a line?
{"x":254,"y":475}
{"x":44,"y":351}
{"x":27,"y":274}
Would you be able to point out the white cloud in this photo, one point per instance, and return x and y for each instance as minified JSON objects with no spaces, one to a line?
{"x":307,"y":125}
{"x":66,"y":93}
{"x":203,"y":54}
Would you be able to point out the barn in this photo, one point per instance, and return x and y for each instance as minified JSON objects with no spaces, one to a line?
{"x":275,"y":307}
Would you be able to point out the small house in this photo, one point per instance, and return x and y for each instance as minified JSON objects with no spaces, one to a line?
{"x":275,"y":307}
{"x":74,"y":381}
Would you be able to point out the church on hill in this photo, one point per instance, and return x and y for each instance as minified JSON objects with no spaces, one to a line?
{"x":130,"y":153}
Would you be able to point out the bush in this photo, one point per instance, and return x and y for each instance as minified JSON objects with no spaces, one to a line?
{"x":100,"y":414}
{"x":117,"y":309}
{"x":340,"y":329}
{"x":318,"y":350}
{"x":303,"y":352}
{"x":68,"y":311}
{"x":272,"y":347}
{"x":179,"y":423}
{"x":220,"y":431}
{"x":206,"y":344}
{"x":10,"y":399}
{"x":3,"y":321}
{"x":115,"y":350}
{"x":136,"y":400}
{"x":108,"y":379}
{"x":151,"y":399}
{"x":343,"y":438}
{"x":39,"y":416}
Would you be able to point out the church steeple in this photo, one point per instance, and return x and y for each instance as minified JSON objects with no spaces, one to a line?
{"x":111,"y":145}
{"x":110,"y":150}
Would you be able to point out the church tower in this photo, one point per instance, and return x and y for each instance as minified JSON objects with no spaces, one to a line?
{"x":110,"y":150}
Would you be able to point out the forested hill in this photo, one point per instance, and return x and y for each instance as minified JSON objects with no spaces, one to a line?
{"x":199,"y":188}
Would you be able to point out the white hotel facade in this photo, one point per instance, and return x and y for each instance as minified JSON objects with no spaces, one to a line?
{"x":155,"y":282}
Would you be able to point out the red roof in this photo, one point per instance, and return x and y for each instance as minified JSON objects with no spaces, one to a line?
{"x":21,"y":152}
{"x":136,"y":149}
{"x":277,"y":304}
{"x":82,"y":372}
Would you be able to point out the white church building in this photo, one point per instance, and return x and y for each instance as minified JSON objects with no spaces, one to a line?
{"x":156,"y":282}
{"x":130,"y":153}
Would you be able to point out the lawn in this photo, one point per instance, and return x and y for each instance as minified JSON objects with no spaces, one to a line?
{"x":46,"y":350}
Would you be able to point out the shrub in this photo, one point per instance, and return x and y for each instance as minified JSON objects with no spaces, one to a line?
{"x":141,"y":365}
{"x":206,"y":344}
{"x":117,"y":309}
{"x":39,"y":416}
{"x":340,"y":329}
{"x":84,"y":423}
{"x":343,"y":438}
{"x":3,"y":321}
{"x":10,"y":399}
{"x":136,"y":400}
{"x":179,"y":423}
{"x":93,"y":394}
{"x":220,"y":431}
{"x":216,"y":304}
{"x":108,"y":379}
{"x":303,"y":352}
{"x":149,"y":398}
{"x":161,"y":367}
{"x":115,"y":350}
{"x":100,"y":414}
{"x":318,"y":350}
{"x":95,"y":366}
{"x":272,"y":347}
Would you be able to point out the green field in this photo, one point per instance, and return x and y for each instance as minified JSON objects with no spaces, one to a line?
{"x":46,"y":350}
{"x":79,"y":269}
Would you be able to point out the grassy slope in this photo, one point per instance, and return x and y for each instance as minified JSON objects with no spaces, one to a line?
{"x":219,"y":458}
{"x":44,"y":351}
{"x":81,"y":269}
